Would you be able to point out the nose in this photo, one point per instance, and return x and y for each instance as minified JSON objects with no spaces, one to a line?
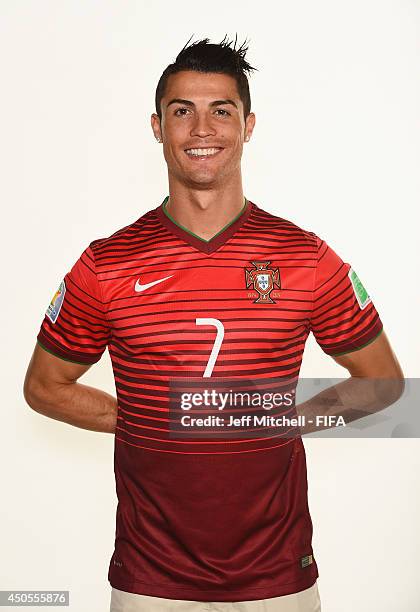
{"x":203,"y":126}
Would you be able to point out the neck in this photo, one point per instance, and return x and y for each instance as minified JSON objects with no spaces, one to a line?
{"x":205,"y":212}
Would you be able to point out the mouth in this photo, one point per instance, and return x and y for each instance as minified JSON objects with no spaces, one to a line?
{"x":203,"y":154}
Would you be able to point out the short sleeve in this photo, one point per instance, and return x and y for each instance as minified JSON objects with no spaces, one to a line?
{"x":343,"y":317}
{"x":75,"y":325}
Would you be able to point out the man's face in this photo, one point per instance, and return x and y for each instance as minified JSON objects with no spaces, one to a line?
{"x":202,"y":128}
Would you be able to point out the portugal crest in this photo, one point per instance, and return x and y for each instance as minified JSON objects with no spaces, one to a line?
{"x":264,"y":280}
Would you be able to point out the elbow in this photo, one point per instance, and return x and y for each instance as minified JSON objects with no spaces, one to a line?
{"x":391,"y":388}
{"x":27,"y":389}
{"x":34,"y":393}
{"x":391,"y":381}
{"x":397,"y":381}
{"x":399,"y":387}
{"x":29,"y":394}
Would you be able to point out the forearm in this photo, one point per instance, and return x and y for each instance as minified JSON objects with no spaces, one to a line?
{"x":78,"y":405}
{"x":353,"y":398}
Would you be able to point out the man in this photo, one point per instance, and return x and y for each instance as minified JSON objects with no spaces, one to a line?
{"x":205,"y":288}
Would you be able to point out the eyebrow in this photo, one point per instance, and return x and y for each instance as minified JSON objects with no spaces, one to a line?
{"x":189,"y":103}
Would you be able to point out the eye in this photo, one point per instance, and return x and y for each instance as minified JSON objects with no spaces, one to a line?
{"x":180,"y":112}
{"x":222,"y":110}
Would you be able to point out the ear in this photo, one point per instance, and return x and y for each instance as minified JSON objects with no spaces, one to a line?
{"x":249,"y":126}
{"x":155,"y":123}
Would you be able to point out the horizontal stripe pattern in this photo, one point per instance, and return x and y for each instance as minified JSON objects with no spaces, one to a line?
{"x":337,"y":322}
{"x":81,"y":331}
{"x":195,"y":513}
{"x":152,"y":335}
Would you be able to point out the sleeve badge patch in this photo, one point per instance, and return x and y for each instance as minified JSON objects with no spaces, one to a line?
{"x":56,"y":303}
{"x":360,"y":292}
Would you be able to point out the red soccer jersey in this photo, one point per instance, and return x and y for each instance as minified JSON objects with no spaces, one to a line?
{"x":207,"y":519}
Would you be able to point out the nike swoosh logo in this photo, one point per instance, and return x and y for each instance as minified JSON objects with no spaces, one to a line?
{"x":139,"y":287}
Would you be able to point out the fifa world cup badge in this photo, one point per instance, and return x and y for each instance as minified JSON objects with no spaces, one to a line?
{"x":362,"y":296}
{"x":264,"y":280}
{"x":56,"y":303}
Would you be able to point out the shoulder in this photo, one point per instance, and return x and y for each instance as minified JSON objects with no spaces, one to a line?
{"x":284,"y":229}
{"x":138,"y":230}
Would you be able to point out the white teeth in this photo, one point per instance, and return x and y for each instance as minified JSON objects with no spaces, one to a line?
{"x":202,"y":151}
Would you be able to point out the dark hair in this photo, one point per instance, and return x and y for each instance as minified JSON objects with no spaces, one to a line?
{"x":203,"y":56}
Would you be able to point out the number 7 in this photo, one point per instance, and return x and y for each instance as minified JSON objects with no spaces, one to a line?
{"x":217,"y":343}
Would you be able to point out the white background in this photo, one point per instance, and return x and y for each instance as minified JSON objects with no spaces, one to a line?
{"x":335,"y":149}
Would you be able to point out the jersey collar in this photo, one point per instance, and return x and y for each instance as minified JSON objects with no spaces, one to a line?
{"x":205,"y":246}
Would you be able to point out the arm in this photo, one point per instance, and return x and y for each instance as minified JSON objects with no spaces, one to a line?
{"x":51,"y":388}
{"x":376,"y":381}
{"x":376,"y":360}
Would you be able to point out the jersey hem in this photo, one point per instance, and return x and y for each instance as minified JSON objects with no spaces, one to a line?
{"x":353,"y":350}
{"x":138,"y":587}
{"x":355,"y":345}
{"x":79,"y":358}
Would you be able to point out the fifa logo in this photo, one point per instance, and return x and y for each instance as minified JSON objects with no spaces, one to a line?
{"x":264,"y":280}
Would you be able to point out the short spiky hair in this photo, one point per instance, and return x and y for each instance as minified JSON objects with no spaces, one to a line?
{"x":203,"y":56}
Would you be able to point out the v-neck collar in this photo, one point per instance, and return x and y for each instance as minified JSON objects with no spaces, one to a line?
{"x":205,"y":246}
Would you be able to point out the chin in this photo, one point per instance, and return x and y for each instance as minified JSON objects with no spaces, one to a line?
{"x":200,"y":183}
{"x":203,"y":178}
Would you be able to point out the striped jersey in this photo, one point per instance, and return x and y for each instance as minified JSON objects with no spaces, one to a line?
{"x":207,"y":515}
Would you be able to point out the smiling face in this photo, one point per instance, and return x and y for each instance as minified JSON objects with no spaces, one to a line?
{"x":202,"y":128}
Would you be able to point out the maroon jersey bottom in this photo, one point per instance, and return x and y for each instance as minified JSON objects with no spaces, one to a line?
{"x":212,"y":527}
